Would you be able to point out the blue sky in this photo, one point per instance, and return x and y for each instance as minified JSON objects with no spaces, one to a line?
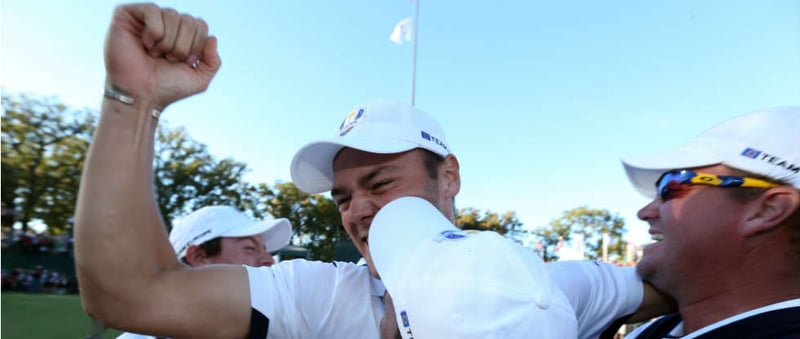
{"x":539,"y":99}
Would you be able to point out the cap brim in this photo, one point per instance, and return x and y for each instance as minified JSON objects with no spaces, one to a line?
{"x":398,"y":228}
{"x":276,"y":233}
{"x":438,"y":276}
{"x":644,"y":170}
{"x":278,"y":236}
{"x":312,"y":165}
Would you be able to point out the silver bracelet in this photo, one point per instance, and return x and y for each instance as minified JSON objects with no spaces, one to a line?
{"x":113,"y":92}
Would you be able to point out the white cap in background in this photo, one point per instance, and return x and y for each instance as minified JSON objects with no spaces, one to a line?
{"x":211,"y":222}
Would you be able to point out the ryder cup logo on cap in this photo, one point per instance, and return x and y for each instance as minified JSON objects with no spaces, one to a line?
{"x":353,"y":118}
{"x":384,"y":127}
{"x":447,"y":283}
{"x":212,"y":222}
{"x":765,"y":143}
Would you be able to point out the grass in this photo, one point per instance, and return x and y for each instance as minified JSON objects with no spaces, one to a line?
{"x":45,"y":316}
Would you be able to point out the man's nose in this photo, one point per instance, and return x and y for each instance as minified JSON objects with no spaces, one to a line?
{"x":266,"y":259}
{"x":362,"y":209}
{"x":649,"y":211}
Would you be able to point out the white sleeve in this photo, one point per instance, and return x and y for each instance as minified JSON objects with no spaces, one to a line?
{"x":599,"y":292}
{"x":273,"y":294}
{"x":310,"y":299}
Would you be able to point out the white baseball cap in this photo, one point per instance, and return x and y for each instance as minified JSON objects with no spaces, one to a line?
{"x":765,"y":142}
{"x":385,"y":127}
{"x":448,"y":283}
{"x":211,"y":222}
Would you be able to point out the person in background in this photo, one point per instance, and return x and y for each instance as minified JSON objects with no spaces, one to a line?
{"x":726,"y":219}
{"x":224,"y":235}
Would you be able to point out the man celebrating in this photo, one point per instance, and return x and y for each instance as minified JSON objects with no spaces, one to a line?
{"x":385,"y":150}
{"x":155,"y":57}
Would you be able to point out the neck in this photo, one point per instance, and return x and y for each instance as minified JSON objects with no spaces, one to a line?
{"x":716,"y":308}
{"x":728,"y":292}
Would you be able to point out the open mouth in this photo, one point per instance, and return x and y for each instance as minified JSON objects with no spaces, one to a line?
{"x":657,"y":237}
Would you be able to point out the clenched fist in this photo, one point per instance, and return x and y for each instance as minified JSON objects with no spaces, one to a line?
{"x":159,"y":55}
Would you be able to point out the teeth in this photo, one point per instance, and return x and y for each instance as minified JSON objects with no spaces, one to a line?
{"x":657,"y":237}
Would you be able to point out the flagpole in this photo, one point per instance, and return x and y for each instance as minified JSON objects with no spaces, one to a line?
{"x":414,"y":30}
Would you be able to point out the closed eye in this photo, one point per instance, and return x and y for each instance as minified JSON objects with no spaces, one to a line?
{"x":381,"y":184}
{"x":342,"y":202}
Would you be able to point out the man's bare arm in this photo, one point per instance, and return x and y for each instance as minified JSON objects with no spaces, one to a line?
{"x":654,"y":303}
{"x":128,"y":273}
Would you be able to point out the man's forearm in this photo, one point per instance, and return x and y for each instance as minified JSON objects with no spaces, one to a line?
{"x":154,"y":57}
{"x":119,"y":234}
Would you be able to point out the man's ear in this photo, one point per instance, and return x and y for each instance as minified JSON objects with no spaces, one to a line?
{"x":450,"y":176}
{"x":771,"y":210}
{"x":195,"y":255}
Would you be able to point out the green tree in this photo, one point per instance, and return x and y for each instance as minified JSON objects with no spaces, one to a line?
{"x":474,"y":219}
{"x":591,"y":224}
{"x":43,"y":145}
{"x":10,"y":180}
{"x":315,"y":218}
{"x":551,"y":238}
{"x":188,"y":177}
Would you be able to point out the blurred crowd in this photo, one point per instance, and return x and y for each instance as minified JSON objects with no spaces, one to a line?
{"x":36,"y":280}
{"x":31,"y":242}
{"x":32,"y":277}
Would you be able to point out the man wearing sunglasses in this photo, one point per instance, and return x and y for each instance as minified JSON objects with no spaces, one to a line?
{"x":726,"y":221}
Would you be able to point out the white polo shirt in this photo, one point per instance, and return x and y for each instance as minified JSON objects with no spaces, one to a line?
{"x":313,"y":299}
{"x":599,"y":292}
{"x":310,"y":299}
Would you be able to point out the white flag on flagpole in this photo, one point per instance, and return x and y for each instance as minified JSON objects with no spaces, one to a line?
{"x":402,"y":31}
